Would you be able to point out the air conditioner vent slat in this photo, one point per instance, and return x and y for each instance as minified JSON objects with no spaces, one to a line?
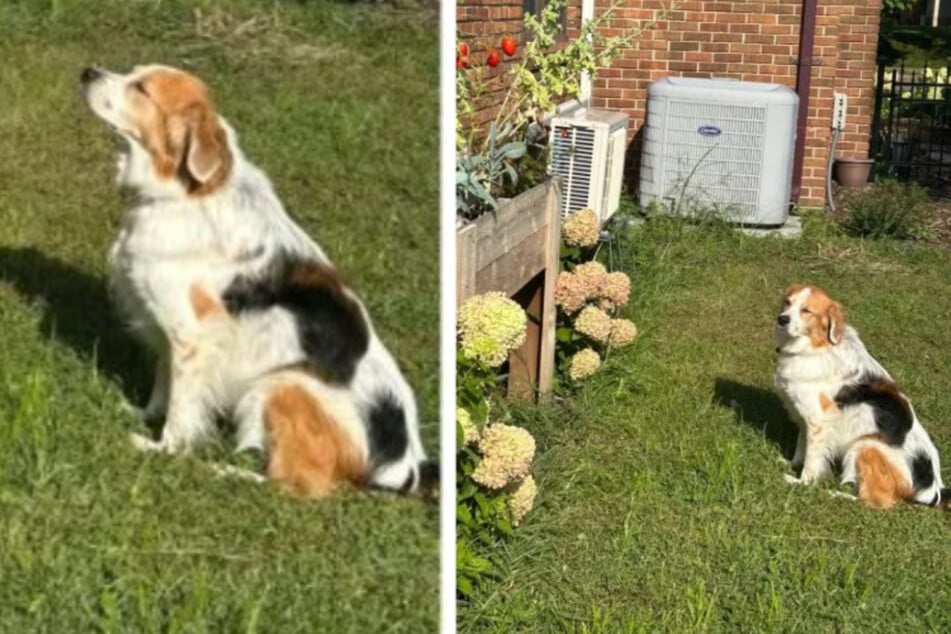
{"x":584,"y":154}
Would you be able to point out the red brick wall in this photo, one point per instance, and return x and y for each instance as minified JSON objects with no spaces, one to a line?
{"x":754,"y":41}
{"x":482,"y":24}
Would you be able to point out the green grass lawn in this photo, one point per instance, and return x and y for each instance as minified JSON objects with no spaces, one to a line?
{"x":338,"y":103}
{"x":661,"y":501}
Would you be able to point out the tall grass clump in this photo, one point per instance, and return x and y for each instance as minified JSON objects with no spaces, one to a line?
{"x":888,"y":210}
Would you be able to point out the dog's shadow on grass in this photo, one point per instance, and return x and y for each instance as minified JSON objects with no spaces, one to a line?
{"x":77,"y":312}
{"x":759,"y":408}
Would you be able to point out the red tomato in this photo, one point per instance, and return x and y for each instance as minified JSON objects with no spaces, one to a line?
{"x":493,"y":59}
{"x":463,"y":50}
{"x":508,"y":46}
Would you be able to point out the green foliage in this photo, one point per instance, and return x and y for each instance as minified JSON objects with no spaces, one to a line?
{"x":889,"y":209}
{"x":479,"y":176}
{"x":483,"y":515}
{"x":474,"y":382}
{"x":482,"y":518}
{"x":568,"y":342}
{"x":548,"y":72}
{"x":897,"y":6}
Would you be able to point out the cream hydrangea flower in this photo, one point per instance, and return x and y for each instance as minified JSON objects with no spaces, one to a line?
{"x":623,"y":332}
{"x":594,"y":276}
{"x":581,"y":229}
{"x":583,"y":364}
{"x":570,"y":292}
{"x":507,"y":454}
{"x":595,"y":323}
{"x":491,"y":325}
{"x":522,"y":499}
{"x":470,"y":433}
{"x":616,"y":289}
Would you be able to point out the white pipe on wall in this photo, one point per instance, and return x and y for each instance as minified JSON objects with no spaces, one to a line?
{"x":587,"y":13}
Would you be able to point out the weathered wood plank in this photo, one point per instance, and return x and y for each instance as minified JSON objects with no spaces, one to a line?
{"x":515,"y":268}
{"x":546,"y":354}
{"x":466,"y":269}
{"x":515,"y":220}
{"x":524,"y":363}
{"x":516,"y":251}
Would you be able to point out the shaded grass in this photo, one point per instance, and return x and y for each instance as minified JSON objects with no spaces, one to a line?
{"x":338,"y":104}
{"x":662,"y":505}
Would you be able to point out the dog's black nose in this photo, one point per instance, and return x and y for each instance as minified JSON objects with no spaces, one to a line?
{"x":89,"y":75}
{"x":782,"y":320}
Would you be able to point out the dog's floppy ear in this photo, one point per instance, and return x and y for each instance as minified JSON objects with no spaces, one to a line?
{"x":207,"y":146}
{"x":836,"y":323}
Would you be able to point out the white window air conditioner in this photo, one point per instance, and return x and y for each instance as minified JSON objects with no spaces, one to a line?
{"x":719,"y":145}
{"x":587,"y":151}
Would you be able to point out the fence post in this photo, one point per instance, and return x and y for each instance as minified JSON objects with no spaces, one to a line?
{"x":876,"y":145}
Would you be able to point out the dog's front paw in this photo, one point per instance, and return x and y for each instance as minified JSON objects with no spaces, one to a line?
{"x":794,"y":465}
{"x":805,"y":478}
{"x":843,"y":495}
{"x":147,"y":415}
{"x":129,"y":408}
{"x":144,"y":443}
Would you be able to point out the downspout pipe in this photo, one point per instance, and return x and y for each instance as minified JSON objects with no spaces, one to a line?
{"x":807,"y":39}
{"x":587,"y":14}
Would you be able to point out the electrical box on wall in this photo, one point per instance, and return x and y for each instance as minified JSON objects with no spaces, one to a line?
{"x":839,"y":106}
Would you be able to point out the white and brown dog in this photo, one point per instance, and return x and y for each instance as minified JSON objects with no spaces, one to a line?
{"x":248,"y":317}
{"x":849,"y":408}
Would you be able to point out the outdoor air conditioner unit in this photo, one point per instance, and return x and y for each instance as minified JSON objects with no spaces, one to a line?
{"x":719,"y":145}
{"x":587,"y":151}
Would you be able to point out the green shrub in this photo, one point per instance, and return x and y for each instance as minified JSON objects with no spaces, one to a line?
{"x":888,"y":210}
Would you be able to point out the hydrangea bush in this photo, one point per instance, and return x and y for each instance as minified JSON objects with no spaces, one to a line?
{"x":588,"y":297}
{"x":490,"y":326}
{"x":494,"y":485}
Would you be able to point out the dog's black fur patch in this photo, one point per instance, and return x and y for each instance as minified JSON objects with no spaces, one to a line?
{"x":922,"y":471}
{"x":387,"y":433}
{"x":893,"y":416}
{"x":333,"y":332}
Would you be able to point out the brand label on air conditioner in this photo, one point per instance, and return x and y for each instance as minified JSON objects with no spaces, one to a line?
{"x":709,"y":130}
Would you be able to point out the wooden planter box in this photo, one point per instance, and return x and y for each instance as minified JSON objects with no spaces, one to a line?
{"x":515,"y":251}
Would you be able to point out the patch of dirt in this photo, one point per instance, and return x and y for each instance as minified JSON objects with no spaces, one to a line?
{"x":940,"y":223}
{"x":266,"y":33}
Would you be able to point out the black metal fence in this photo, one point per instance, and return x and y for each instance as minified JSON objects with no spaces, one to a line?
{"x":911,"y":125}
